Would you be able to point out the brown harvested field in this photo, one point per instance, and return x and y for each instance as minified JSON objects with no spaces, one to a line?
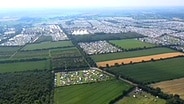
{"x":139,"y":59}
{"x":172,"y":87}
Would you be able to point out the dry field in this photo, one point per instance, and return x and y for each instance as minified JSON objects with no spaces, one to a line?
{"x":172,"y":87}
{"x":139,"y":59}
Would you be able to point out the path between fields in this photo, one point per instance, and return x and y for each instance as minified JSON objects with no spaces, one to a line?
{"x":125,"y":80}
{"x":13,"y":54}
{"x":50,"y":54}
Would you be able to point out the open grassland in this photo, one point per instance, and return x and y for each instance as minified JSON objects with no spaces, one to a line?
{"x":154,"y":71}
{"x":94,"y":93}
{"x":143,"y":98}
{"x":130,"y":54}
{"x":68,"y":52}
{"x":22,"y":66}
{"x":31,"y":54}
{"x":139,"y":59}
{"x":131,"y":44}
{"x":172,"y":87}
{"x":48,"y":45}
{"x":6,"y":52}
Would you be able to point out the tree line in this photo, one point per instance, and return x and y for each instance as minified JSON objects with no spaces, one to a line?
{"x":22,"y":60}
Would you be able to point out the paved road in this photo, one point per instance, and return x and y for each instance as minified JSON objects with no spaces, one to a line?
{"x":131,"y":83}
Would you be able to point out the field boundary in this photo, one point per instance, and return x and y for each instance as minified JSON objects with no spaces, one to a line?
{"x":139,"y":59}
{"x":174,"y":86}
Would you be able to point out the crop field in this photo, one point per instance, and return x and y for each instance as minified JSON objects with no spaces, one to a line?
{"x":122,"y":55}
{"x":31,"y":54}
{"x":94,"y":93}
{"x":48,"y":45}
{"x":79,"y":77}
{"x":68,"y":52}
{"x":172,"y":87}
{"x":139,"y":59}
{"x":8,"y":49}
{"x":22,"y":66}
{"x":131,"y":44}
{"x":154,"y":71}
{"x":43,"y":39}
{"x":62,"y":49}
{"x":68,"y":63}
{"x":143,"y":98}
{"x":54,"y":53}
{"x":6,"y":52}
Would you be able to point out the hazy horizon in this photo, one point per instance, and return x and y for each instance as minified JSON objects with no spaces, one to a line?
{"x":37,"y":4}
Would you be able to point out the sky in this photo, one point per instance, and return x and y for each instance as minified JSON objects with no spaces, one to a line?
{"x":86,"y":3}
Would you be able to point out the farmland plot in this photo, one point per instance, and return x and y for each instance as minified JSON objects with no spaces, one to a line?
{"x":154,"y":71}
{"x":94,"y":93}
{"x":172,"y":86}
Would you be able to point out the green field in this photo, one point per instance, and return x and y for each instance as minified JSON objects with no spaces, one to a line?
{"x":54,"y":53}
{"x":63,"y":49}
{"x":31,"y":54}
{"x":121,"y":55}
{"x":141,"y":99}
{"x":65,"y":52}
{"x":67,"y":58}
{"x":95,"y":93}
{"x":152,"y":71}
{"x":9,"y":49}
{"x":22,"y":66}
{"x":43,"y":39}
{"x":48,"y":45}
{"x":6,"y":52}
{"x":131,"y":44}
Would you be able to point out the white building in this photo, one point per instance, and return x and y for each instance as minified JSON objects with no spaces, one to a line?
{"x":80,"y":32}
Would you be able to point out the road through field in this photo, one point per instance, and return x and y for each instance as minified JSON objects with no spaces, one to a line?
{"x":139,"y":59}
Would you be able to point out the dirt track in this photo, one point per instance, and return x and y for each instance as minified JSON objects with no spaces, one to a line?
{"x":172,"y":87}
{"x":139,"y":59}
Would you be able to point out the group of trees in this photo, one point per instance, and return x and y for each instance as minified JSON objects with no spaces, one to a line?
{"x":30,"y":87}
{"x":135,"y":49}
{"x":69,"y":63}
